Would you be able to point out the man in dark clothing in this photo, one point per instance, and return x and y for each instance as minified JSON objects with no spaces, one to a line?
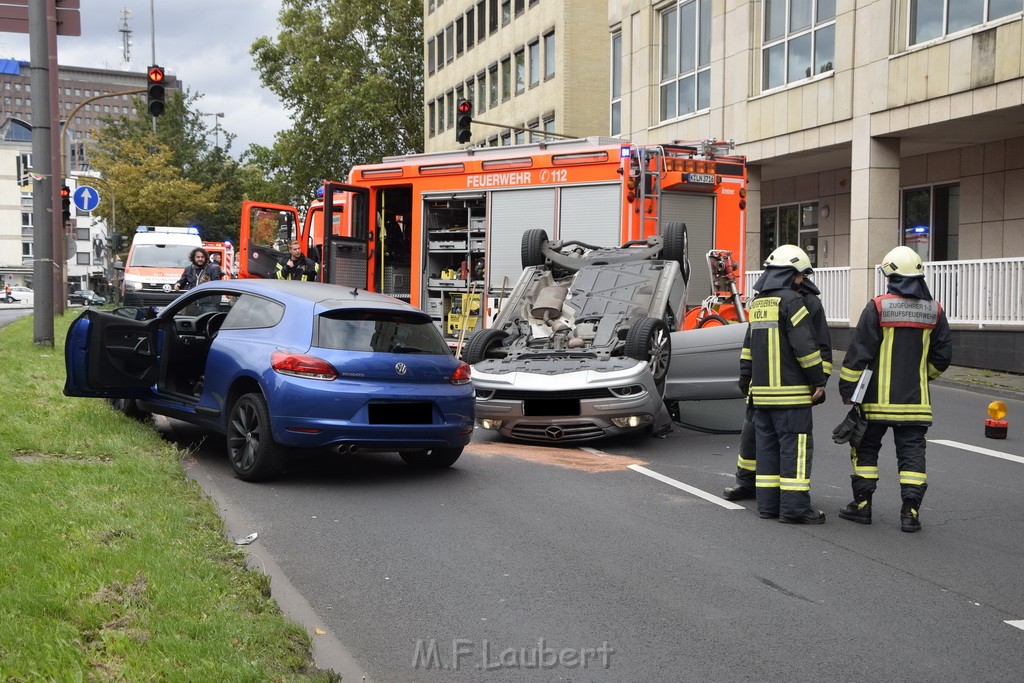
{"x":903,"y":338}
{"x":298,"y":266}
{"x":781,"y":370}
{"x":200,"y":270}
{"x":746,"y":463}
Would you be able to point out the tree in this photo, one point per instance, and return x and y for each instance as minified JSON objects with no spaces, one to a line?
{"x":350,"y":73}
{"x":142,"y":186}
{"x":183,"y":131}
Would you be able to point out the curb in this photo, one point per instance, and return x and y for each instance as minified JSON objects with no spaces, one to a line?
{"x":979,"y":388}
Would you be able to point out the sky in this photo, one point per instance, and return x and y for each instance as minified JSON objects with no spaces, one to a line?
{"x":204,"y":43}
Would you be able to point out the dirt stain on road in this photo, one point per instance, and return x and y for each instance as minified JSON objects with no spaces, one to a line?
{"x":569,"y":458}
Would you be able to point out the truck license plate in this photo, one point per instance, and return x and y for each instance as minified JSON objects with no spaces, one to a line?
{"x":706,"y":178}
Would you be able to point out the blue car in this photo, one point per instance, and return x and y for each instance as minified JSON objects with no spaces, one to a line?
{"x":280,"y":364}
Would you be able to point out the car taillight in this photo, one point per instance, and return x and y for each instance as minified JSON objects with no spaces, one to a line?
{"x":301,"y":365}
{"x":461,"y":374}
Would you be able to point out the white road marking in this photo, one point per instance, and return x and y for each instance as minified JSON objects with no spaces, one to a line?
{"x":685,"y":487}
{"x":977,"y":449}
{"x":593,"y":451}
{"x":1019,"y":623}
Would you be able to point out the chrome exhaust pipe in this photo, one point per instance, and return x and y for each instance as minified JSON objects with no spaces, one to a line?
{"x":348,"y":449}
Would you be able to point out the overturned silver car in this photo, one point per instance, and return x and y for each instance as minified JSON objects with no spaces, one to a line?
{"x":582,"y":347}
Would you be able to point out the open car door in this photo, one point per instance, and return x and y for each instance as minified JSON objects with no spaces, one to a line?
{"x":110,"y":356}
{"x":263,"y":236}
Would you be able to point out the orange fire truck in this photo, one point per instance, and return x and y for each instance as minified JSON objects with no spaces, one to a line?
{"x":443,"y":230}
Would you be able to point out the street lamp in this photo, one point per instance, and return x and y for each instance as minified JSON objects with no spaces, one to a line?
{"x":216,"y":126}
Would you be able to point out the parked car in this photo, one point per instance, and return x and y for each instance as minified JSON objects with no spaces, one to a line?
{"x":19,"y":295}
{"x":86,"y":297}
{"x":274,"y":364}
{"x":580,"y":349}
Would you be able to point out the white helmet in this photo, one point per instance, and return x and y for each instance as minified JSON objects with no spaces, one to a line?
{"x":902,"y":261}
{"x":790,"y":256}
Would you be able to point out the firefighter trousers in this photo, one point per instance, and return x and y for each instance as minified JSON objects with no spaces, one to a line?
{"x":785,"y":445}
{"x":746,"y":464}
{"x":910,"y":448}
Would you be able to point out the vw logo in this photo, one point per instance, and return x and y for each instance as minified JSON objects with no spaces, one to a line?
{"x":401,"y":368}
{"x":167,"y":288}
{"x":554,"y":433}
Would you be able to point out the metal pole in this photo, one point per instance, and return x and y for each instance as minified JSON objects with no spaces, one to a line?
{"x":44,"y":194}
{"x":152,"y":40}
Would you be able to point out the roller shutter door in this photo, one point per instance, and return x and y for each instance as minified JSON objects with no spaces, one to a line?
{"x":513,"y":212}
{"x":591,"y":214}
{"x":698,"y":212}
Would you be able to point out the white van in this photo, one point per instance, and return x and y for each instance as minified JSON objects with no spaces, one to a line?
{"x":157,"y":257}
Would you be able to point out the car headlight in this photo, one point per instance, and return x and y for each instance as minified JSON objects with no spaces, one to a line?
{"x":132,"y":286}
{"x":631,"y":421}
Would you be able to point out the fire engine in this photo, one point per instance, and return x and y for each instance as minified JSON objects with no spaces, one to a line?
{"x":223,"y":255}
{"x":443,"y":230}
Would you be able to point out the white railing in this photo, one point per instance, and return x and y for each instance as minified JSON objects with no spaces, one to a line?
{"x":978,"y":292}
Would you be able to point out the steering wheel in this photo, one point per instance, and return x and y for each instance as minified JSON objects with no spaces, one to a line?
{"x":208,"y":324}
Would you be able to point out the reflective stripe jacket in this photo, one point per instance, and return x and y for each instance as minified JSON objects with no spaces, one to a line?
{"x":905,"y":342}
{"x":781,"y":362}
{"x":821,"y":333}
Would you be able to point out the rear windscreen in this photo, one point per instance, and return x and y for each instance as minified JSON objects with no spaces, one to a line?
{"x":379,"y":331}
{"x":159,"y":256}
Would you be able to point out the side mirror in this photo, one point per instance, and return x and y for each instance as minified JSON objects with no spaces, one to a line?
{"x":119,"y":265}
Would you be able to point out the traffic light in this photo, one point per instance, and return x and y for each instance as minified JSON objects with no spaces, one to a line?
{"x":65,"y":202}
{"x":155,"y":90}
{"x":463,"y":118}
{"x":122,"y":242}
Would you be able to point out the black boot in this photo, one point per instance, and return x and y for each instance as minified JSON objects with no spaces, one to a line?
{"x":909,"y":520}
{"x":859,"y":510}
{"x":738,"y":493}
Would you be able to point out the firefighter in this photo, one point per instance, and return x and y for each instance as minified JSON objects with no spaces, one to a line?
{"x":746,"y":462}
{"x":903,"y":337}
{"x":298,"y":267}
{"x":782,"y":373}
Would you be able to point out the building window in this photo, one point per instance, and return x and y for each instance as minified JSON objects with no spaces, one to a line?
{"x":685,"y":58}
{"x":24,"y":165}
{"x":506,"y":78}
{"x":506,"y":12}
{"x":82,"y":234}
{"x":440,"y":50}
{"x":26,"y":221}
{"x":470,"y":28}
{"x":549,"y":55}
{"x":449,"y":43}
{"x":520,"y":71}
{"x":492,"y":74}
{"x":431,"y":121}
{"x":481,"y":21}
{"x":520,"y":137}
{"x":82,"y":258}
{"x":460,"y":93}
{"x":450,"y":121}
{"x":615,"y":126}
{"x":492,"y":15}
{"x":520,"y":7}
{"x":792,"y":224}
{"x":936,"y":18}
{"x":534,"y":125}
{"x":506,"y":138}
{"x":440,"y":114}
{"x":799,"y":40}
{"x":549,"y":123}
{"x":481,"y":87}
{"x":930,"y":221}
{"x":26,"y":249}
{"x":460,"y":36}
{"x":471,"y":92}
{"x":534,"y":63}
{"x":430,"y":56}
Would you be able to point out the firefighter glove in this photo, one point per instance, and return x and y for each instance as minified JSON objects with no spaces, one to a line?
{"x":851,"y":429}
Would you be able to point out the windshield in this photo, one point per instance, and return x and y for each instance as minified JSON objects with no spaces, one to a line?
{"x":159,"y":256}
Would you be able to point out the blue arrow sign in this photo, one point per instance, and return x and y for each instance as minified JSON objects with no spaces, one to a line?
{"x":86,"y":198}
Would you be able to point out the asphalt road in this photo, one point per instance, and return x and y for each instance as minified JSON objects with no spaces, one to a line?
{"x":529,"y":563}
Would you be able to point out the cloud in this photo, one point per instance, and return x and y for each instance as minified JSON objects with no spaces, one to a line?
{"x":203,"y":43}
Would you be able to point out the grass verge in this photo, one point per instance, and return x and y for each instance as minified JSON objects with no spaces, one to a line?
{"x":114,"y":565}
